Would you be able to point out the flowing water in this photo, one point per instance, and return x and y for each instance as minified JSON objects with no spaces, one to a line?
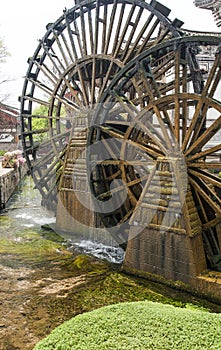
{"x":24,"y":211}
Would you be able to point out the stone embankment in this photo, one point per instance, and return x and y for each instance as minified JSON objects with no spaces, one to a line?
{"x":9,"y":180}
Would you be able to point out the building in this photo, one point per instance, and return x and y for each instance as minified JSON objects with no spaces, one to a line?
{"x":9,"y":127}
{"x":214,"y":6}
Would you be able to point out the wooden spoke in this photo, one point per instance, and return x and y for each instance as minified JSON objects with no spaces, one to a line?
{"x":207,"y":194}
{"x":207,"y":165}
{"x":205,"y":138}
{"x":74,"y":63}
{"x":206,"y":177}
{"x":203,"y":154}
{"x":164,"y":111}
{"x":47,"y":73}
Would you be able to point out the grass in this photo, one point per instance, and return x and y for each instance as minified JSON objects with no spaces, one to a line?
{"x":137,"y":325}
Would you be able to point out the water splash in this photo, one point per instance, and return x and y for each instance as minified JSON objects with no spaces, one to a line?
{"x":99,"y":250}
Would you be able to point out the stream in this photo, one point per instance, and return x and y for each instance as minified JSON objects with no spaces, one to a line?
{"x":24,"y":211}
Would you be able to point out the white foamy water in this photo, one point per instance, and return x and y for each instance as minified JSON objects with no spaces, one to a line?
{"x":99,"y":250}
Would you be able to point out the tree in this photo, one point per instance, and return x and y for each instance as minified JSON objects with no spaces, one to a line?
{"x":40,"y":122}
{"x":3,"y":55}
{"x":3,"y":51}
{"x":40,"y":125}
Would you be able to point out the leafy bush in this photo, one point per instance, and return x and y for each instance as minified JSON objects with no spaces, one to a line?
{"x":138,"y":325}
{"x":2,"y":153}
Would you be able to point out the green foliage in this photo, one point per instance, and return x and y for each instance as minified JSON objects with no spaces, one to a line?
{"x":41,"y":110}
{"x":40,"y":123}
{"x":2,"y":153}
{"x":140,"y":325}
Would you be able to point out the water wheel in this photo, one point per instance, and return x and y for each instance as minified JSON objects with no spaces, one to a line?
{"x":73,"y":64}
{"x":155,"y":143}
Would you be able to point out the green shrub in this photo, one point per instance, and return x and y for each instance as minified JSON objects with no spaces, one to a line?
{"x":2,"y":153}
{"x":138,"y":325}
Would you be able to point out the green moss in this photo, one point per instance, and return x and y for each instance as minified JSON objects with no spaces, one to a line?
{"x":4,"y":218}
{"x":101,"y":287}
{"x":175,"y":285}
{"x":30,"y":246}
{"x":5,"y":222}
{"x":51,"y":235}
{"x":82,"y":262}
{"x":114,"y":287}
{"x":142,"y":325}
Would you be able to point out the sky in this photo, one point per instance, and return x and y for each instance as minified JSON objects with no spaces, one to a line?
{"x":23,"y":22}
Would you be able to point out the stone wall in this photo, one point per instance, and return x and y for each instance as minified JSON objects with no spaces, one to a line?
{"x":9,"y":180}
{"x":173,"y":256}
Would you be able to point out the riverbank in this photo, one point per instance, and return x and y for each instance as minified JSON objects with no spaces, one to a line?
{"x":9,"y":181}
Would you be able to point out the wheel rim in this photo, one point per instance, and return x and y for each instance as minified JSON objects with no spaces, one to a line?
{"x":63,"y":73}
{"x":160,"y":122}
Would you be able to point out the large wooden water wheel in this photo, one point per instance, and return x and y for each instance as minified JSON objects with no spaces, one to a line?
{"x":154,"y":154}
{"x":73,"y":64}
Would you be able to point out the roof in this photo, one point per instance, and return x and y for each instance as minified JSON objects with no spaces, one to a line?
{"x":8,"y":116}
